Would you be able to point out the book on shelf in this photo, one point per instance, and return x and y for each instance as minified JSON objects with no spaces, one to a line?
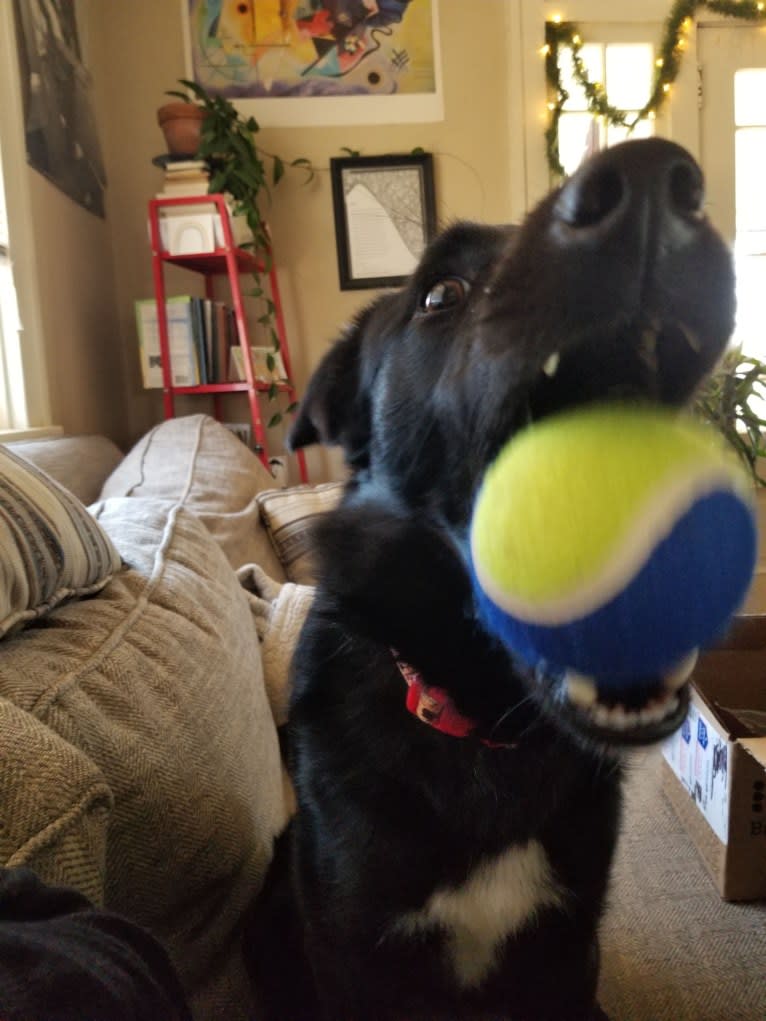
{"x":262,"y":358}
{"x":174,"y":167}
{"x":184,"y":191}
{"x":198,"y":332}
{"x":181,"y":341}
{"x":185,"y":178}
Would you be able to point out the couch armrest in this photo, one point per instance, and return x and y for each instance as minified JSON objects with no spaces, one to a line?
{"x":81,"y":463}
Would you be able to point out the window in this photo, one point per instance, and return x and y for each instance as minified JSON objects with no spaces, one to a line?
{"x":625,"y":69}
{"x":750,"y":205}
{"x":24,"y":399}
{"x":9,"y":313}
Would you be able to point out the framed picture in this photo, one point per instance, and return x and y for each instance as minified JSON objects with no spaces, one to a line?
{"x":310,"y":62}
{"x":385,"y":215}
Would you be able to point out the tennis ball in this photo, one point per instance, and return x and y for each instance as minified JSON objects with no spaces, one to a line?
{"x":613,"y":541}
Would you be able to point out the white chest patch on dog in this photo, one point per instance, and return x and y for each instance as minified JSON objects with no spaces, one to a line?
{"x":499,"y":898}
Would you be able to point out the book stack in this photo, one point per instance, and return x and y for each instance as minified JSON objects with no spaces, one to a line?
{"x":184,"y":178}
{"x":204,"y":347}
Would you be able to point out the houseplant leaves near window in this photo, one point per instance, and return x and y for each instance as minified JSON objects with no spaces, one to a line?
{"x":733,"y":400}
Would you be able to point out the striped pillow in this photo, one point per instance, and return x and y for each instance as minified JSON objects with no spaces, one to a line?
{"x":288,"y":515}
{"x":51,"y":548}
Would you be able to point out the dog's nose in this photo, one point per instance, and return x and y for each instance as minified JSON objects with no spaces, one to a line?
{"x":648,"y":175}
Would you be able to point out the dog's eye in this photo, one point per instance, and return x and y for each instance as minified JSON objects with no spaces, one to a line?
{"x":445,"y":294}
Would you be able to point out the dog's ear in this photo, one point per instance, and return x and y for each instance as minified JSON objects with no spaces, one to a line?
{"x":335,"y":408}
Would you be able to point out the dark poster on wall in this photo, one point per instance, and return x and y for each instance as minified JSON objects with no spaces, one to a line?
{"x":61,"y":137}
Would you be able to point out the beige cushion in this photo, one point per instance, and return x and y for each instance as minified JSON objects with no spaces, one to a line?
{"x":139,"y":760}
{"x":81,"y":463}
{"x":197,"y":462}
{"x":279,"y":612}
{"x":288,"y":515}
{"x":51,"y":549}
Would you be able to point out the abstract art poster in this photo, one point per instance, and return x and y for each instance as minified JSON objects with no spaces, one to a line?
{"x":318,"y":62}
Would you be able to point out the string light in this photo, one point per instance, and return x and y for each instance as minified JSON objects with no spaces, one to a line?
{"x":672,"y":49}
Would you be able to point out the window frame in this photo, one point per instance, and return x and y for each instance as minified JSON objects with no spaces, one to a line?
{"x":529,"y":98}
{"x":23,"y":370}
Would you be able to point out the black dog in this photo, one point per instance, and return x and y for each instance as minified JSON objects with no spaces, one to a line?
{"x":436,"y":876}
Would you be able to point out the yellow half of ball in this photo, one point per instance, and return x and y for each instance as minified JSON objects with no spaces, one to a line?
{"x":568,"y":497}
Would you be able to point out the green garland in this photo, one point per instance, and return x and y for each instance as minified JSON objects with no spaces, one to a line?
{"x":667,"y":66}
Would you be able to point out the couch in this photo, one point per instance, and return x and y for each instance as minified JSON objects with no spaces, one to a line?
{"x":139,"y":701}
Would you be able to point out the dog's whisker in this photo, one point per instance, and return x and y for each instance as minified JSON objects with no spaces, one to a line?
{"x":529,"y":697}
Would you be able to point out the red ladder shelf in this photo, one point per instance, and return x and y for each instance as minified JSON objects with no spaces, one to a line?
{"x":230,"y":261}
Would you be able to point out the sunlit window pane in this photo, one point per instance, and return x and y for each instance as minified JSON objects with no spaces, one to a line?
{"x":751,"y":278}
{"x":750,"y":96}
{"x":592,"y":55}
{"x":629,"y":68}
{"x":576,"y":138}
{"x":618,"y":133}
{"x":626,"y":71}
{"x":750,"y":152}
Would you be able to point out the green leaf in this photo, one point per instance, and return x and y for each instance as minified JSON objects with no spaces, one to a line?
{"x":198,"y":90}
{"x":270,"y":362}
{"x":293,"y":406}
{"x":353,"y":153}
{"x":279,"y":170}
{"x":274,"y":420}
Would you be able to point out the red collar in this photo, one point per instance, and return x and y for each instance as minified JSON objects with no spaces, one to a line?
{"x":435,"y":707}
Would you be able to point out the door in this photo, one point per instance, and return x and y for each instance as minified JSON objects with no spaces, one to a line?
{"x":733,"y":154}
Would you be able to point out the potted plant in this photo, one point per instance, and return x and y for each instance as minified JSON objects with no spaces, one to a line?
{"x":181,"y":124}
{"x":733,"y":400}
{"x":246,"y":173}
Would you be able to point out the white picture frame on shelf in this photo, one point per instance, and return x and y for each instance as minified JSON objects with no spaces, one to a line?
{"x":261,"y":359}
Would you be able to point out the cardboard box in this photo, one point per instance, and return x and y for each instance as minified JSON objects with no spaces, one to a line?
{"x":714,"y":771}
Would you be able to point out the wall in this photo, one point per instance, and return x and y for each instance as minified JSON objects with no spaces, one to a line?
{"x":139,"y":55}
{"x":72,"y":328}
{"x":489,"y":165}
{"x":78,"y":315}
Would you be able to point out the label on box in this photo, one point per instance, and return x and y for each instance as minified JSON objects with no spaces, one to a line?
{"x":698,"y":754}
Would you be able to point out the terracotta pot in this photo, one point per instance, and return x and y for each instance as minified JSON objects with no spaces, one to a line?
{"x":181,"y":125}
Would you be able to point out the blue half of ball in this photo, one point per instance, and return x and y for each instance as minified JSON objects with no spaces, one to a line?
{"x":682,"y":598}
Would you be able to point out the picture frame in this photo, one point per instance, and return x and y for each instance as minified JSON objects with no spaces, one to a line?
{"x":319,"y":62}
{"x":385,"y":215}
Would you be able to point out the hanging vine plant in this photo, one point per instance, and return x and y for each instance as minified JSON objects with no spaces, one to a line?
{"x":565,"y":35}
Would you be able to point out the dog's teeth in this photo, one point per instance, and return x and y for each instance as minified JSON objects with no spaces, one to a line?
{"x":618,"y":717}
{"x":551,"y":366}
{"x":679,"y":675}
{"x":581,"y":689}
